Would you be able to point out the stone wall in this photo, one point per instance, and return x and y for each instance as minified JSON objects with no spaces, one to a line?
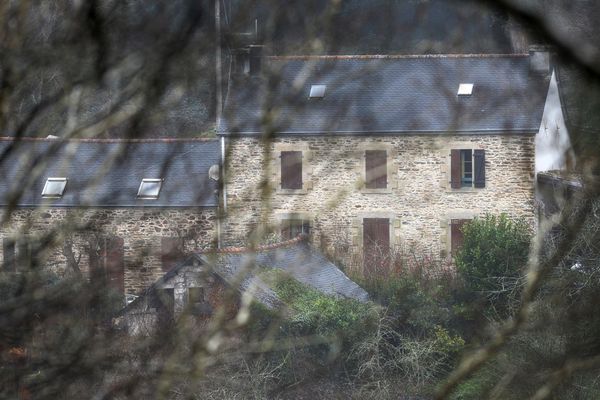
{"x":141,"y":229}
{"x":418,"y":200}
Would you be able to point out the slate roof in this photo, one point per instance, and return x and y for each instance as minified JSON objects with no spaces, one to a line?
{"x":390,"y":95}
{"x":238,"y":267}
{"x":296,"y":258}
{"x":107,"y":173}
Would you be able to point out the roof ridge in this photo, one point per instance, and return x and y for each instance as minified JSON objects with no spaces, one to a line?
{"x":229,"y":250}
{"x":98,"y":140}
{"x":394,"y":56}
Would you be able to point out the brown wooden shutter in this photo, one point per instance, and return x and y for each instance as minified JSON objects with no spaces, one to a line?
{"x":455,"y":173}
{"x":170,"y":252}
{"x":376,"y":244}
{"x":291,"y":170}
{"x":456,"y":234}
{"x":115,"y":264}
{"x":8,"y":253}
{"x":479,"y":156}
{"x":376,"y":169}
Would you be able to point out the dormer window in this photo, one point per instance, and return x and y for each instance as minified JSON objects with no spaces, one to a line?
{"x":317,"y":91}
{"x":54,"y":188}
{"x":149,"y":189}
{"x":465,"y":89}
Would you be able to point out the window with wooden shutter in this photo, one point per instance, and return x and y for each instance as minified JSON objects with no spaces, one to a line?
{"x":375,"y":169}
{"x":467,"y":168}
{"x":376,"y":244}
{"x":171,"y":252}
{"x":456,"y":234}
{"x":291,"y":170}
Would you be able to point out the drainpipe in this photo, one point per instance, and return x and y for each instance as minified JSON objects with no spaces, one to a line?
{"x":218,"y":111}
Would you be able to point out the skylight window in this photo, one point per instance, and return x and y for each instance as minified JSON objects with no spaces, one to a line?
{"x":317,"y":91}
{"x":149,"y":189}
{"x":465,"y":89}
{"x":54,"y":188}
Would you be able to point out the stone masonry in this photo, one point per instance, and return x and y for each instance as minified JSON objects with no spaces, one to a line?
{"x":418,"y":200}
{"x":141,"y":229}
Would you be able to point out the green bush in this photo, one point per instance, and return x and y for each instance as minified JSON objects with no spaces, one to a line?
{"x":492,"y":257}
{"x":314,"y":313}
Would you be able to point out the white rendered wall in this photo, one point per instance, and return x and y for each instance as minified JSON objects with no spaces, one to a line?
{"x":552,"y":144}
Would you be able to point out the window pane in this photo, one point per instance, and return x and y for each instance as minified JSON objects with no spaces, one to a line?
{"x":466,"y":165}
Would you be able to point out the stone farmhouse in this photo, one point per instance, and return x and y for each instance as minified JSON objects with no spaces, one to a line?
{"x":371,"y":153}
{"x":120,"y":212}
{"x":367,"y":156}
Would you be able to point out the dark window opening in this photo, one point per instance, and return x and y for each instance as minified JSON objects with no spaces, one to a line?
{"x":291,"y":228}
{"x":291,"y":170}
{"x":197,"y":301}
{"x":375,"y":169}
{"x":163,"y":301}
{"x":376,"y":245}
{"x":171,"y":252}
{"x":456,"y":234}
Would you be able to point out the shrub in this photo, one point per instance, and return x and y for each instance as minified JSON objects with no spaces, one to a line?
{"x":490,"y":261}
{"x":314,"y":313}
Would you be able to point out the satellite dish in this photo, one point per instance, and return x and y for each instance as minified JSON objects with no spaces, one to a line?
{"x":213,"y":172}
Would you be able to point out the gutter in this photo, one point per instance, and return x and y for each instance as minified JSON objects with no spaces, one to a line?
{"x":386,"y":132}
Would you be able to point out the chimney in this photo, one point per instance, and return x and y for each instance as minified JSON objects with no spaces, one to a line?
{"x":539,"y":59}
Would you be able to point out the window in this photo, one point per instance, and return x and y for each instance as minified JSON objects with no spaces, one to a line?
{"x":171,"y":252}
{"x":375,"y":169}
{"x":467,"y":168}
{"x":291,"y":170}
{"x":163,"y":301}
{"x":149,"y":189}
{"x":291,"y":228}
{"x":456,"y":234}
{"x":465,"y":89}
{"x":317,"y":91}
{"x":54,"y":188}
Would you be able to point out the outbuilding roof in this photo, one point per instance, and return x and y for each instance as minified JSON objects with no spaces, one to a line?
{"x":108,"y":173}
{"x":387,"y":95}
{"x":241,"y":269}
